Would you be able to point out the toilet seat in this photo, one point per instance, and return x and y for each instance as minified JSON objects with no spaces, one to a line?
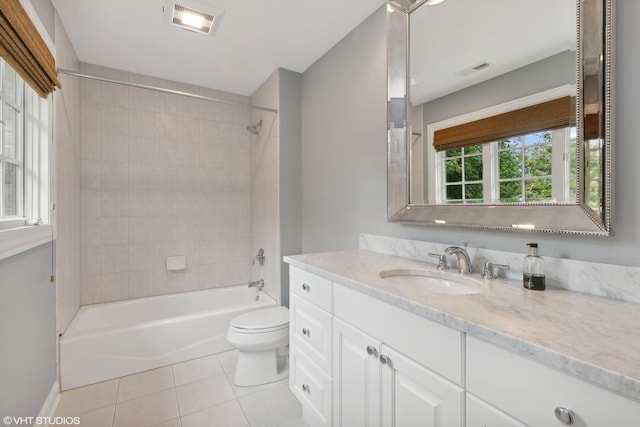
{"x":261,"y":321}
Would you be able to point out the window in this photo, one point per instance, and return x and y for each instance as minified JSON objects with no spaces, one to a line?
{"x":24,"y":152}
{"x":537,"y":167}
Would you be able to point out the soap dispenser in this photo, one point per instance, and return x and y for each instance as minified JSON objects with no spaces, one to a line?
{"x":533,"y":269}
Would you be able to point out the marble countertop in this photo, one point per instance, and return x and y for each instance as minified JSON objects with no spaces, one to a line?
{"x":594,"y":338}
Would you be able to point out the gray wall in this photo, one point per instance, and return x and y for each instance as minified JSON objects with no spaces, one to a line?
{"x":27,"y":332}
{"x":549,"y":73}
{"x":289,"y":91}
{"x":344,"y":154}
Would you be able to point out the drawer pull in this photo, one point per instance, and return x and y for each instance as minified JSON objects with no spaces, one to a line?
{"x":305,"y":331}
{"x":306,"y":287}
{"x":371,"y":350}
{"x":305,"y":388}
{"x":385,"y":360}
{"x":565,"y":415}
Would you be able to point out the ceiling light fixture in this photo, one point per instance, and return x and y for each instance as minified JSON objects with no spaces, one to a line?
{"x":191,"y":19}
{"x":192,"y":16}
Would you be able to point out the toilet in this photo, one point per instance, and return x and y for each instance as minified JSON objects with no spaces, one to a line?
{"x":262,"y":339}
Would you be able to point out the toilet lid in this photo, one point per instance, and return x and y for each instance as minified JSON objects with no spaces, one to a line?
{"x":266,"y":318}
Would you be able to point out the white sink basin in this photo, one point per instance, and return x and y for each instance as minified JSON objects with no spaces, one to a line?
{"x":438,"y":282}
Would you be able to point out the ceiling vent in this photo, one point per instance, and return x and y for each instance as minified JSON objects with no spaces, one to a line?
{"x":193,"y":16}
{"x":474,"y":68}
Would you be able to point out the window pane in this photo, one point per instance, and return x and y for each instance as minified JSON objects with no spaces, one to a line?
{"x":10,"y":147}
{"x":538,"y":190}
{"x":473,"y":193}
{"x":454,"y":192}
{"x":473,"y":168}
{"x":454,"y":170}
{"x":538,"y":160}
{"x":538,"y":138}
{"x":473,"y":149}
{"x":10,"y":84}
{"x":510,"y":143}
{"x":510,"y":192}
{"x":510,"y":164}
{"x":453,"y":153}
{"x":10,"y":189}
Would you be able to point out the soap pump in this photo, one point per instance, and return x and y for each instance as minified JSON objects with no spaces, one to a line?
{"x":533,"y":269}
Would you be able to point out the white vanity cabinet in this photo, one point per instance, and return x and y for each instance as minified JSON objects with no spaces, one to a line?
{"x":538,"y":395}
{"x":310,"y":349}
{"x":379,"y":370}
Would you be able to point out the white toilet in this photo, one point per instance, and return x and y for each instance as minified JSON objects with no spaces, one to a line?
{"x":262,"y":338}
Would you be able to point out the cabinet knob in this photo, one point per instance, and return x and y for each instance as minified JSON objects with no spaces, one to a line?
{"x":371,"y":350}
{"x":385,"y":359}
{"x":305,"y":388}
{"x":305,"y":331}
{"x":565,"y":415}
{"x":306,"y":287}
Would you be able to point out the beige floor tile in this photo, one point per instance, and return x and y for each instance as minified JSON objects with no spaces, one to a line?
{"x":147,"y":410}
{"x":197,"y":369}
{"x":171,"y":423}
{"x":270,"y":407}
{"x":144,"y":383}
{"x":229,"y":360}
{"x":228,"y":414}
{"x":204,"y":393}
{"x":102,"y":417}
{"x":243,"y":391}
{"x":87,"y":398}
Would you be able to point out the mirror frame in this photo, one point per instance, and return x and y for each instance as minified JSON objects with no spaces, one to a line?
{"x":594,"y":31}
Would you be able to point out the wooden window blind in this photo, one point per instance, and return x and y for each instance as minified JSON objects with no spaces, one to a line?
{"x":24,"y":50}
{"x":554,"y":114}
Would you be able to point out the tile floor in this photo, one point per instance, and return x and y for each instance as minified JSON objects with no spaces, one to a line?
{"x":197,"y":393}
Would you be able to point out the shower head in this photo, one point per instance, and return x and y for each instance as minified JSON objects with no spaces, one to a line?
{"x":255,"y":129}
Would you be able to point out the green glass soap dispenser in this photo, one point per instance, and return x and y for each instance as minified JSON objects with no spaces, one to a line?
{"x":533,"y":269}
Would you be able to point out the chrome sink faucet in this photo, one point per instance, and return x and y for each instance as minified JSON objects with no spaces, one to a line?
{"x":464,"y":263}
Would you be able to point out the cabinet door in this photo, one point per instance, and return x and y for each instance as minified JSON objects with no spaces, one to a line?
{"x":481,"y":414}
{"x":414,"y":396}
{"x":356,"y":374}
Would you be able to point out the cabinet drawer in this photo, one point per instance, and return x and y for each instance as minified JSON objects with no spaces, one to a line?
{"x":531,"y":392}
{"x":312,"y":388}
{"x":315,"y":289}
{"x":310,"y":331}
{"x":429,"y":343}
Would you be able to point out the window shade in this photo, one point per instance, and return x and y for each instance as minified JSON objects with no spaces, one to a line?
{"x":554,"y":114}
{"x":23,"y":48}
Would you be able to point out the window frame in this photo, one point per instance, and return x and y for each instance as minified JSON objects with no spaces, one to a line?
{"x":31,"y":226}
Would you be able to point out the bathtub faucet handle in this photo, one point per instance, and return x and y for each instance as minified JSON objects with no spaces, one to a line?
{"x":259,"y":257}
{"x":257,"y":284}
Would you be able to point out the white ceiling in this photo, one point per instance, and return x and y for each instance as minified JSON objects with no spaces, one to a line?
{"x":508,"y":34}
{"x":254,"y":38}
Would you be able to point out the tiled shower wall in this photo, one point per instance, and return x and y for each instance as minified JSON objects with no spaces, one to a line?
{"x":162,"y":175}
{"x":66,"y":191}
{"x":265,"y":197}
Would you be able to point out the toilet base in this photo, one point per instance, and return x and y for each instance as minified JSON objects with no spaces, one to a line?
{"x":261,"y":367}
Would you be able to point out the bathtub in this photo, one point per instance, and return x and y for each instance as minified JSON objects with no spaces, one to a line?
{"x":109,"y":340}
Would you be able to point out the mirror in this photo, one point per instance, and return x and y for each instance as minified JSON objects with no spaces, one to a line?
{"x":512,"y":130}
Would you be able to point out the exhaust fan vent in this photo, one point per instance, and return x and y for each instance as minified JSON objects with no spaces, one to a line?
{"x":192,"y":16}
{"x":474,"y":68}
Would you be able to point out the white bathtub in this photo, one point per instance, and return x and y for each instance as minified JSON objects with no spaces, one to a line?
{"x":110,"y":340}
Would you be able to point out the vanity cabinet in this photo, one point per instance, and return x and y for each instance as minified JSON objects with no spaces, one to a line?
{"x":376,"y":384}
{"x":539,"y":395}
{"x":310,"y":349}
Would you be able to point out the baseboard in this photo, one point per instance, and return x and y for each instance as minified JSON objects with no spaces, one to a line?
{"x":50,"y":404}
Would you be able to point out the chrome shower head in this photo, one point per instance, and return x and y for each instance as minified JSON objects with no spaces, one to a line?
{"x":255,"y":129}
